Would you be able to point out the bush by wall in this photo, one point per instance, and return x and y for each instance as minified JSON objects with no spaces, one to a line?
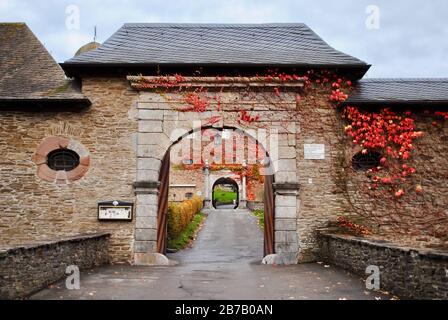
{"x":181,"y":214}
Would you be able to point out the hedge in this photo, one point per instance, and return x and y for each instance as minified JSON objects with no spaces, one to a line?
{"x":181,"y":214}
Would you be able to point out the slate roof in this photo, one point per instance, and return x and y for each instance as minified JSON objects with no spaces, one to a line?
{"x":400,"y":91}
{"x":217,"y":44}
{"x":28,"y":73}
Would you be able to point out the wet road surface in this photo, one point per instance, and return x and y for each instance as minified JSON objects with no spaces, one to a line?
{"x":224,"y":263}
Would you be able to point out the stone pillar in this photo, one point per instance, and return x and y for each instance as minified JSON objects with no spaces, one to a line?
{"x":145,"y":238}
{"x":286,"y":190}
{"x":286,"y":238}
{"x":207,"y":187}
{"x":243,"y":200}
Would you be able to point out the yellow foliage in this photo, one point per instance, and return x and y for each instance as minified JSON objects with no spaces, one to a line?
{"x":181,"y":214}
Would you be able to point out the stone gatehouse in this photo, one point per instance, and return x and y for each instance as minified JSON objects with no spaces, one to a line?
{"x":117,"y":117}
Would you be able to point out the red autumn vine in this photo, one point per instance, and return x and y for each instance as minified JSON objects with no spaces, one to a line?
{"x":392,"y":135}
{"x":196,"y":103}
{"x":199,"y":99}
{"x":346,"y":225}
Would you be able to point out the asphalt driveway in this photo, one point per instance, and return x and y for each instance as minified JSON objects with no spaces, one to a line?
{"x":224,"y":263}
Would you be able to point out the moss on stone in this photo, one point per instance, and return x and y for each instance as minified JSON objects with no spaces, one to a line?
{"x":57,"y":90}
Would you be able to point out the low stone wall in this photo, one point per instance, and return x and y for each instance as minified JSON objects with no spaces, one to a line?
{"x":29,"y":268}
{"x":255,"y":205}
{"x":409,"y":273}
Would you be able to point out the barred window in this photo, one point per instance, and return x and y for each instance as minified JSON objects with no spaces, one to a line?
{"x":63,"y":160}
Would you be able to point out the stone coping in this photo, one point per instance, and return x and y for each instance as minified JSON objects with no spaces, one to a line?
{"x":7,"y":250}
{"x":427,"y":252}
{"x":151,"y":82}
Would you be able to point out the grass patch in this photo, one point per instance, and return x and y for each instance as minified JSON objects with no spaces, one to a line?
{"x":260,"y":216}
{"x":224,"y":196}
{"x":188,"y":235}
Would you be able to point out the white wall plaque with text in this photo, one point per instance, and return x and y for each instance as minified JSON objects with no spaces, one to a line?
{"x":314,"y":151}
{"x":115,"y":211}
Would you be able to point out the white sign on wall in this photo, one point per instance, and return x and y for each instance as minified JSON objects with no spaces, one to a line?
{"x":314,"y":151}
{"x":115,"y":211}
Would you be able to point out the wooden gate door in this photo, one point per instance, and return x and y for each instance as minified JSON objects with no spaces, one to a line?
{"x":162,"y":214}
{"x":269,"y":215}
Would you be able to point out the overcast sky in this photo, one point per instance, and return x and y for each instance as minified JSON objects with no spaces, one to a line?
{"x":410,"y":38}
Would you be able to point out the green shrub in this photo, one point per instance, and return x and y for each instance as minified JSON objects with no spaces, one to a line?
{"x":260,"y":216}
{"x":186,"y":236}
{"x":181,"y":214}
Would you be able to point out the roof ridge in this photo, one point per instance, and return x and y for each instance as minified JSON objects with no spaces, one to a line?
{"x":289,"y":44}
{"x":213,"y":25}
{"x":12,"y":24}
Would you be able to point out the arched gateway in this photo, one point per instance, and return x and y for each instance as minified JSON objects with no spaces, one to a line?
{"x":162,"y":123}
{"x":230,"y":185}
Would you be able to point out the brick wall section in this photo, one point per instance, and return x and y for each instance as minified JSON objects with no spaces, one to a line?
{"x":27,"y":269}
{"x":34,"y":210}
{"x":406,"y":272}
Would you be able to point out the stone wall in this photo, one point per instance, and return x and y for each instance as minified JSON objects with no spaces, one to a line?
{"x":321,"y":198}
{"x":405,"y":272}
{"x":330,"y":187}
{"x":34,"y":210}
{"x":255,"y":205}
{"x":185,"y":178}
{"x":413,"y":214}
{"x":127,"y":133}
{"x":28,"y":268}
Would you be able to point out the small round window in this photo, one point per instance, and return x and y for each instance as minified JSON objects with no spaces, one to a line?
{"x":63,"y":160}
{"x":366,"y":161}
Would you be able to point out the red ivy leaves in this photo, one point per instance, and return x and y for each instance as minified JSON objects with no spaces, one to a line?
{"x":382,"y":130}
{"x":214,"y":120}
{"x":443,"y":114}
{"x":196,"y":103}
{"x":163,"y":82}
{"x":338,"y":96}
{"x":389,"y":133}
{"x":356,"y":229}
{"x":245,"y":117}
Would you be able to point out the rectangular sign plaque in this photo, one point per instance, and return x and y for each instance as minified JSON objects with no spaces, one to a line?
{"x":314,"y":151}
{"x":115,"y":211}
